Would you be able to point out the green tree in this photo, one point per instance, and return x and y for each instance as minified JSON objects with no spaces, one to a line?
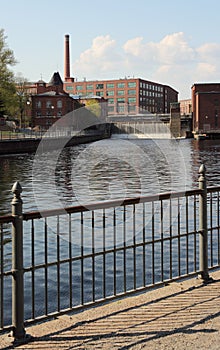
{"x":93,"y":106}
{"x":22,"y":99}
{"x":7,"y":84}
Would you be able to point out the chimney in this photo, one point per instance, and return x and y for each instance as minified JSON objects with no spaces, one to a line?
{"x":66,"y":58}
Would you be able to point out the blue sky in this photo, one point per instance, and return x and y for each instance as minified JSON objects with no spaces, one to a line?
{"x":171,"y":42}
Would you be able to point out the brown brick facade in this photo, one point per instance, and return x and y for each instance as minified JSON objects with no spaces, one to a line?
{"x":206,"y":107}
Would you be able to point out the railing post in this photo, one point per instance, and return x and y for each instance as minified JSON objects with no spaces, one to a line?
{"x":17,"y":265}
{"x":203,"y":238}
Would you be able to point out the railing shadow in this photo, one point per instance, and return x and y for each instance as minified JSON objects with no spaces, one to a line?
{"x":139,"y":324}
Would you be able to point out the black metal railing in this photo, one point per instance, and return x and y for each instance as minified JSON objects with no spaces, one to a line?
{"x":59,"y":260}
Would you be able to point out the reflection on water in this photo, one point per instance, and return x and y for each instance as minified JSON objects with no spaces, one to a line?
{"x":108,"y":169}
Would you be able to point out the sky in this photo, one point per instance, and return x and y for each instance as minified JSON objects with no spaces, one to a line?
{"x":172,"y":42}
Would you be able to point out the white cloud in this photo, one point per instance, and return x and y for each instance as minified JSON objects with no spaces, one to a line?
{"x":172,"y":61}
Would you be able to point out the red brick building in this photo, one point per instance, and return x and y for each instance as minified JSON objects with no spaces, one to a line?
{"x":50,"y":102}
{"x":206,"y":107}
{"x":124,"y":96}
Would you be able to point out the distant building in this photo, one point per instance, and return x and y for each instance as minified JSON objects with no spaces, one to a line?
{"x":127,"y":96}
{"x":206,"y":107}
{"x":185,"y":107}
{"x":50,"y":102}
{"x":124,"y":96}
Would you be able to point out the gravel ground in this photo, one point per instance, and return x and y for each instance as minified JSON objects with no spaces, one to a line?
{"x":182,"y":315}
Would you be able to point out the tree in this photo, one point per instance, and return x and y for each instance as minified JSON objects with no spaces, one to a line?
{"x":93,"y":106}
{"x":7,"y":84}
{"x":23,"y":98}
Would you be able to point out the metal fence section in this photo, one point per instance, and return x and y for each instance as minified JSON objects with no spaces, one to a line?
{"x":70,"y":259}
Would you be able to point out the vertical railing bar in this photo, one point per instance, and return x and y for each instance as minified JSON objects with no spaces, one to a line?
{"x":70,"y":263}
{"x":218,"y":221}
{"x":82,"y":258}
{"x":161,"y":237}
{"x":32,"y":268}
{"x":134,"y":245}
{"x":124,"y":238}
{"x":2,"y":280}
{"x":114,"y":253}
{"x":58,"y":263}
{"x":104,"y":254}
{"x":211,"y":230}
{"x":46,"y":265}
{"x":153,"y":246}
{"x":203,"y":237}
{"x":144,"y":241}
{"x":187,"y":235}
{"x":171,"y":232}
{"x":195,"y":230}
{"x":179,"y":254}
{"x":93,"y":256}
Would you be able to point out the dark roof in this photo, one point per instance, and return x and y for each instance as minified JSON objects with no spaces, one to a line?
{"x":55,"y":80}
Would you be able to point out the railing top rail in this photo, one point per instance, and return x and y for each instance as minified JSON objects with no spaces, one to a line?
{"x":6,"y":219}
{"x":109,"y":204}
{"x":212,"y":189}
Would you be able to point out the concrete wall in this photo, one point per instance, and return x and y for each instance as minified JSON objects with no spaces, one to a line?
{"x":31,"y":145}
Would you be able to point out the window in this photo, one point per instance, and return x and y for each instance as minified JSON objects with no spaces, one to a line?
{"x":59,"y":104}
{"x":99,"y":93}
{"x":110,"y":100}
{"x":121,"y":85}
{"x":131,"y":92}
{"x":110,"y":93}
{"x":121,"y":109}
{"x":99,"y":86}
{"x":111,"y":108}
{"x":131,"y":108}
{"x":69,"y":87}
{"x":121,"y":100}
{"x":89,"y":87}
{"x":110,"y":86}
{"x":79,"y":87}
{"x":121,"y":92}
{"x":48,"y":104}
{"x":131,"y":99}
{"x":131,"y":84}
{"x":38,"y":104}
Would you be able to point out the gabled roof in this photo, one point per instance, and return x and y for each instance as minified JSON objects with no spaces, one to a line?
{"x":55,"y":80}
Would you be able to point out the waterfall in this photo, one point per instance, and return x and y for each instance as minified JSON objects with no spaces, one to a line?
{"x":141,"y":129}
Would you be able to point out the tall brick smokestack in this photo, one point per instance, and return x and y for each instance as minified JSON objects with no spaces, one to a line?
{"x":66,"y":58}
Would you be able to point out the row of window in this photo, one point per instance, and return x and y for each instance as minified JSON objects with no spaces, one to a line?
{"x":151,"y":87}
{"x":48,"y":114}
{"x":49,"y":104}
{"x":99,"y":86}
{"x":121,"y":109}
{"x":150,"y":93}
{"x":122,"y":100}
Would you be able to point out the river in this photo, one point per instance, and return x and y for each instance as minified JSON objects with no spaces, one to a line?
{"x":107,"y":169}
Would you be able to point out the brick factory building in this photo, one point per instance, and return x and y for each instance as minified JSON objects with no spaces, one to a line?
{"x":124,"y":96}
{"x":206,"y":108}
